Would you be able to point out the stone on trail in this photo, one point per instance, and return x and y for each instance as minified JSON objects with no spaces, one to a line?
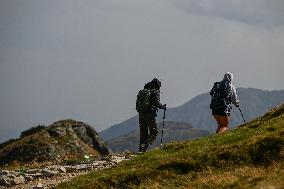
{"x":38,"y":186}
{"x":18,"y":180}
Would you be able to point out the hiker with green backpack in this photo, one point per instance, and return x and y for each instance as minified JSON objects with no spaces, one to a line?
{"x":223,"y":95}
{"x":147,"y":105}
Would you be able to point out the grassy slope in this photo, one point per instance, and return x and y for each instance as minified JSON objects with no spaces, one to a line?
{"x":251,"y":156}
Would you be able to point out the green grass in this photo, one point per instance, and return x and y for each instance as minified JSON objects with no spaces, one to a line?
{"x":251,"y":156}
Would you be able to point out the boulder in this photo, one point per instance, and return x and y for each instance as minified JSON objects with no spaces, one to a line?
{"x":57,"y":131}
{"x":38,"y":186}
{"x":5,"y":181}
{"x":12,"y":180}
{"x":62,"y":169}
{"x":29,"y":177}
{"x":49,"y":173}
{"x":18,"y":180}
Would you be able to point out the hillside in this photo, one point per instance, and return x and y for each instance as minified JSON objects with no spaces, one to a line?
{"x":196,"y":112}
{"x":251,"y":156}
{"x":173,"y":131}
{"x":58,"y":141}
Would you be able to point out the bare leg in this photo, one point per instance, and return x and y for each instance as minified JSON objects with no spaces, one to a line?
{"x":223,"y":122}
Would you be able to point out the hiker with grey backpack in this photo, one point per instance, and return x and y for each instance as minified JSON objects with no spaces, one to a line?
{"x":223,"y":94}
{"x":147,"y":105}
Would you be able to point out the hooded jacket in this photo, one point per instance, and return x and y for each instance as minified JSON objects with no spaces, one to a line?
{"x":154,"y":98}
{"x":234,"y":98}
{"x":224,"y":109}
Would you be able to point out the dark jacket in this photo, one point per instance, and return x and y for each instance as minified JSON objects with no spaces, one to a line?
{"x":154,"y":98}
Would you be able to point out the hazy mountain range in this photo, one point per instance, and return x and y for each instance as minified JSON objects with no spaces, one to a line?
{"x":196,"y":112}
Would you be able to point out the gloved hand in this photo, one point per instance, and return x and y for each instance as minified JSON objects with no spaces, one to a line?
{"x":237,"y":104}
{"x":165,"y":107}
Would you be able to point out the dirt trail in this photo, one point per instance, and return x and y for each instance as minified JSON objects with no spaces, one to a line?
{"x":51,"y":176}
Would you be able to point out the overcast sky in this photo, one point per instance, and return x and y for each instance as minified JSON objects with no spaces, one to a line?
{"x":87,"y":59}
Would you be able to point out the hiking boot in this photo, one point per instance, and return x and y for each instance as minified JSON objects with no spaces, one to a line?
{"x":143,"y":147}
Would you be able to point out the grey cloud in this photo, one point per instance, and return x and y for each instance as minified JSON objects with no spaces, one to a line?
{"x":87,"y":59}
{"x":259,"y":12}
{"x":45,"y":24}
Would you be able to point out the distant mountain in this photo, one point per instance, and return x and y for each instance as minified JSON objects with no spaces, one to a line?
{"x":254,"y":103}
{"x":173,"y":131}
{"x":120,"y":129}
{"x":62,"y":139}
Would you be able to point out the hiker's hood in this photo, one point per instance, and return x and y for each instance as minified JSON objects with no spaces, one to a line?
{"x":228,"y":77}
{"x":154,"y":84}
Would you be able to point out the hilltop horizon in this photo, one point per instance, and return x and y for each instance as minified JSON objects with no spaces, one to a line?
{"x":196,"y":111}
{"x":15,"y":134}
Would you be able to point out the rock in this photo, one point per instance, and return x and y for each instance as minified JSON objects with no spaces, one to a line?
{"x":32,"y":171}
{"x":38,"y":186}
{"x":4,"y":172}
{"x":18,"y":180}
{"x":117,"y":159}
{"x":5,"y":181}
{"x":12,"y":175}
{"x":70,"y":169}
{"x":29,"y":177}
{"x":62,"y":169}
{"x":11,"y":180}
{"x":64,"y":139}
{"x":44,"y":176}
{"x":35,"y":175}
{"x":59,"y":168}
{"x":57,"y":131}
{"x":81,"y":132}
{"x":9,"y":176}
{"x":86,"y":133}
{"x":49,"y":173}
{"x":80,"y":168}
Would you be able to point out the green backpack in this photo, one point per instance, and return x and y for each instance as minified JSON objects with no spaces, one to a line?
{"x":143,"y":102}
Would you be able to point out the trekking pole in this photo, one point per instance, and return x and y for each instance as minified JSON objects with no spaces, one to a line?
{"x":242,"y":115}
{"x":164,"y":117}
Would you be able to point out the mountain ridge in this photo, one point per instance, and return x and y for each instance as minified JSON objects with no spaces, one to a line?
{"x":254,"y":102}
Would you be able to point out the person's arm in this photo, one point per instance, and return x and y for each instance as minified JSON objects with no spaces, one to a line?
{"x":155,"y":100}
{"x":235,"y":99}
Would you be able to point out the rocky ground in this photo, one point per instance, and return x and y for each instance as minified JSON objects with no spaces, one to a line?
{"x":52,"y":175}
